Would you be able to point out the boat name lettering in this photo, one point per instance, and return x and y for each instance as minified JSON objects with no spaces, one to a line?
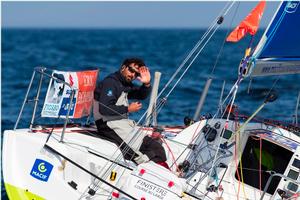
{"x":151,"y":189}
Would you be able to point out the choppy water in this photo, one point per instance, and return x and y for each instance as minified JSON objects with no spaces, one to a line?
{"x":162,"y":50}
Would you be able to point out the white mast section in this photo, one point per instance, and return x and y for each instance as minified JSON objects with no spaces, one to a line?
{"x":152,"y":104}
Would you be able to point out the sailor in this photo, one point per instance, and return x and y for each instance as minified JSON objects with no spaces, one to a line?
{"x":111,"y":107}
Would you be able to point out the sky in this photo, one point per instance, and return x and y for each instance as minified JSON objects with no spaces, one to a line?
{"x":134,"y":14}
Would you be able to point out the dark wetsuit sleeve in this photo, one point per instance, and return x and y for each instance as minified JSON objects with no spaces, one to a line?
{"x":108,"y":98}
{"x":141,"y":92}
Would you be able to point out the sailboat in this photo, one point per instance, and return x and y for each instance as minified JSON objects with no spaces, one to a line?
{"x":218,"y":157}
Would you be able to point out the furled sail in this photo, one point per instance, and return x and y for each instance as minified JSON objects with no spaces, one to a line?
{"x":278,"y":51}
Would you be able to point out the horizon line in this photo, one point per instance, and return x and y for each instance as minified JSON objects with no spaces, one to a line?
{"x":112,"y":27}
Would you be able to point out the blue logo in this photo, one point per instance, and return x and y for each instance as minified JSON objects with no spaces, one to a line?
{"x":41,"y":170}
{"x":109,"y":93}
{"x":65,"y":106}
{"x":291,"y":6}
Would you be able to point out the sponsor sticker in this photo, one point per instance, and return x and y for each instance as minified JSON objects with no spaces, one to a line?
{"x":109,"y":92}
{"x":291,"y":6}
{"x":58,"y":95}
{"x":41,"y":170}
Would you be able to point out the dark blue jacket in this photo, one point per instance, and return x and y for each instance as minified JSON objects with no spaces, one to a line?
{"x":110,"y":89}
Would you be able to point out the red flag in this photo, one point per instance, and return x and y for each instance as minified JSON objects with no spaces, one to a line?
{"x":249,"y":24}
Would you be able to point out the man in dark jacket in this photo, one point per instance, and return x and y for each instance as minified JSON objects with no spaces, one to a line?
{"x":111,"y":107}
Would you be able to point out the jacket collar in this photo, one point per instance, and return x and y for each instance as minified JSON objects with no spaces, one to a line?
{"x":121,"y":78}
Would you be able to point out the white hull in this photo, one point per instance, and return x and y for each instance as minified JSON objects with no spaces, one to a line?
{"x":82,"y":157}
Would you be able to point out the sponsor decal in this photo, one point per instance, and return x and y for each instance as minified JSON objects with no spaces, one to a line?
{"x":291,"y":6}
{"x":277,"y":139}
{"x":280,"y":69}
{"x":41,"y":170}
{"x":109,"y":92}
{"x":58,"y":95}
{"x":151,"y":189}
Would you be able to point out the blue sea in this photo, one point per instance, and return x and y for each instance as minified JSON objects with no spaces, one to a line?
{"x":162,"y":50}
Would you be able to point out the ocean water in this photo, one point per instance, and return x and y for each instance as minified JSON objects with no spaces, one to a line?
{"x":162,"y":50}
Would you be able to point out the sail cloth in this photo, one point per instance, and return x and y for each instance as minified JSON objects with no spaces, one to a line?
{"x":249,"y":24}
{"x":58,"y":94}
{"x":278,"y":51}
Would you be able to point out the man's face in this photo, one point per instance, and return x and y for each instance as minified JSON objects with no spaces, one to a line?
{"x":130,"y":72}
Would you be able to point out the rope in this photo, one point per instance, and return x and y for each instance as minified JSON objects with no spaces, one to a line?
{"x":236,"y":165}
{"x":224,"y":41}
{"x":260,"y":154}
{"x":226,"y":124}
{"x":191,"y":53}
{"x":169,"y":149}
{"x":235,"y":155}
{"x":213,"y":28}
{"x":214,"y":25}
{"x":271,"y":35}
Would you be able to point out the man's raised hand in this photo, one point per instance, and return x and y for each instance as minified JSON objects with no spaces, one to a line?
{"x":145,"y":76}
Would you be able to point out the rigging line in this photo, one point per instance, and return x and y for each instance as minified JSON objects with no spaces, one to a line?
{"x":94,"y":152}
{"x":223,"y":44}
{"x":117,"y":159}
{"x":260,"y":156}
{"x":186,"y":59}
{"x":229,"y":94}
{"x":110,"y":166}
{"x":222,"y":103}
{"x":136,"y":135}
{"x":193,"y":194}
{"x":171,"y":152}
{"x":187,"y":146}
{"x":236,"y":125}
{"x":87,"y":171}
{"x":116,"y":112}
{"x":183,"y":64}
{"x":274,"y":83}
{"x":222,"y":12}
{"x":236,"y":134}
{"x":120,"y":156}
{"x":242,"y":129}
{"x":159,"y":107}
{"x":194,"y":48}
{"x":226,"y":10}
{"x":184,"y":72}
{"x":271,"y":35}
{"x":52,"y":129}
{"x":223,"y":130}
{"x":192,"y":51}
{"x":194,"y":138}
{"x":237,"y":166}
{"x":241,"y":167}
